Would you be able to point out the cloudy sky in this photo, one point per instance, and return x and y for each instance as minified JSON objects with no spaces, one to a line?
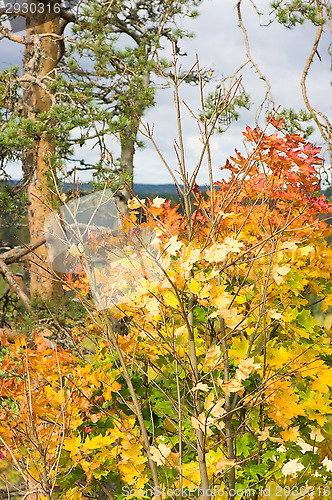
{"x":281,"y":55}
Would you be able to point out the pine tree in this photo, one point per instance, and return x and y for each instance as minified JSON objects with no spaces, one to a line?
{"x":102,"y":86}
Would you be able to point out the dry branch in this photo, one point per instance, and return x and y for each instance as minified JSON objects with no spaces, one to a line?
{"x":11,"y":280}
{"x":17,"y":253}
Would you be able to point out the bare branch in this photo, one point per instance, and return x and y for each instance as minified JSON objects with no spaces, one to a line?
{"x":249,"y":57}
{"x":325,"y":128}
{"x":13,"y":37}
{"x":17,"y":253}
{"x":11,"y":281}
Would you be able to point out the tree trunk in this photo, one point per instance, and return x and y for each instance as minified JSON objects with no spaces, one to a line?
{"x":128,"y":141}
{"x":41,"y":57}
{"x":127,"y":170}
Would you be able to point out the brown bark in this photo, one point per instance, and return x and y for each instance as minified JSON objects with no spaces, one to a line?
{"x":41,"y":57}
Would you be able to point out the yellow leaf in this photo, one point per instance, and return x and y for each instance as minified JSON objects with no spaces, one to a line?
{"x":239,"y":347}
{"x":279,"y":272}
{"x":72,"y":444}
{"x":290,"y":434}
{"x":170,"y":299}
{"x":173,"y":245}
{"x":292,"y":467}
{"x":212,"y":358}
{"x":198,"y":423}
{"x":275,"y":314}
{"x":316,"y":435}
{"x":264,"y":435}
{"x":289,"y":245}
{"x":157,"y":202}
{"x":222,"y":464}
{"x":233,"y":245}
{"x":153,"y":307}
{"x":201,"y":387}
{"x":233,"y":385}
{"x":194,"y":286}
{"x":328,"y":464}
{"x":189,"y":256}
{"x":246,"y":366}
{"x":216,"y":253}
{"x":306,"y":250}
{"x":218,"y":411}
{"x":208,"y":403}
{"x":76,"y":250}
{"x":283,"y":270}
{"x":323,"y":381}
{"x":134,"y":203}
{"x":304,"y":446}
{"x":74,"y":494}
{"x":220,"y":299}
{"x":160,"y":454}
{"x":202,"y":423}
{"x":231,"y":317}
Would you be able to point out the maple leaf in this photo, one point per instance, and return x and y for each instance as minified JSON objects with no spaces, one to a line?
{"x":158,"y":202}
{"x":74,"y":494}
{"x":97,"y":442}
{"x":246,"y":367}
{"x":198,"y":423}
{"x":194,"y":286}
{"x":279,"y":272}
{"x":76,"y":250}
{"x":231,"y":317}
{"x":72,"y":444}
{"x":201,"y":387}
{"x":134,"y":203}
{"x":316,"y":435}
{"x":289,"y":245}
{"x":220,"y":298}
{"x":202,"y":423}
{"x":233,"y":245}
{"x":160,"y":454}
{"x":292,"y":467}
{"x":42,"y":343}
{"x":233,"y":385}
{"x":264,"y":435}
{"x":212,"y":358}
{"x":170,"y":299}
{"x":216,"y":253}
{"x":190,"y":255}
{"x":275,"y":314}
{"x":283,"y":270}
{"x":222,"y":464}
{"x":306,"y":250}
{"x":173,"y":245}
{"x":304,"y":446}
{"x":290,"y":434}
{"x":209,"y":401}
{"x":328,"y":464}
{"x":218,"y":411}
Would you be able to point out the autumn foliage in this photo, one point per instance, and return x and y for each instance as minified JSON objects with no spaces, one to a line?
{"x":231,"y":370}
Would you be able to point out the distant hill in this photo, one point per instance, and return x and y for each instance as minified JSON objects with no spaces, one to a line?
{"x":143,"y":190}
